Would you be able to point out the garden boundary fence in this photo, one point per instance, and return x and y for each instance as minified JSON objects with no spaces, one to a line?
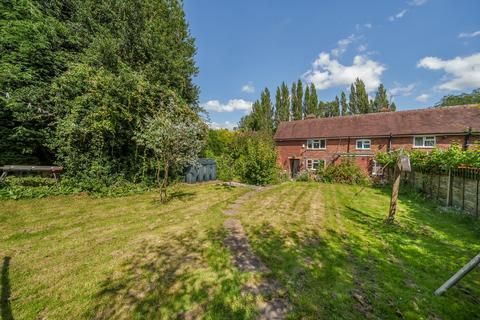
{"x":457,"y":188}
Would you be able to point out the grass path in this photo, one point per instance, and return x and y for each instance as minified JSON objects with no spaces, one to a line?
{"x":270,"y":304}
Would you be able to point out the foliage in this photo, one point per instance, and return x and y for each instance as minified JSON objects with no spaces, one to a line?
{"x":282,"y":104}
{"x":460,"y":99}
{"x":381,"y":99}
{"x":261,"y":118}
{"x":37,"y":187}
{"x":303,"y":176}
{"x":442,"y":159}
{"x":346,"y":172}
{"x":78,"y":78}
{"x":255,"y":158}
{"x":174,"y":143}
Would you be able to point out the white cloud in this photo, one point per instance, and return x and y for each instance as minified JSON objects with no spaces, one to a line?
{"x":368,"y":25}
{"x":423,"y":97}
{"x":398,"y":15}
{"x":469,"y":35}
{"x":399,"y":90}
{"x":461,"y":72}
{"x":248,"y":88}
{"x":232,"y":105}
{"x":225,"y":125}
{"x":327,"y":73}
{"x":417,"y":2}
{"x":359,"y":26}
{"x":362,"y":47}
{"x":343,"y":44}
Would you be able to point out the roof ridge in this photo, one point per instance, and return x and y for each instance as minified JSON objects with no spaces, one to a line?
{"x":386,"y":112}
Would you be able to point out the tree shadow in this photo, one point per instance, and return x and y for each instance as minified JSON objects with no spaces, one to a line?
{"x":5,"y":294}
{"x":185,"y":276}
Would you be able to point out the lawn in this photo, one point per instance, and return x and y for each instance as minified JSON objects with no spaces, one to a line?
{"x":74,"y":257}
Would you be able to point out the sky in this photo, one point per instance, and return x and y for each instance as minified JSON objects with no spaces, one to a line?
{"x":420,"y":50}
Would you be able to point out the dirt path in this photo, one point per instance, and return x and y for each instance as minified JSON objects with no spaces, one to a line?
{"x":271,"y":306}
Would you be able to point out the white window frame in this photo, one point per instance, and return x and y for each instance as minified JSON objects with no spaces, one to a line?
{"x":363,"y":144}
{"x":319,"y":141}
{"x":310,"y":167}
{"x":424,"y":138}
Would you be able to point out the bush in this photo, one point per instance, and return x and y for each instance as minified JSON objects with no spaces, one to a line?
{"x":345,"y":172}
{"x":37,"y":187}
{"x":256,"y":158}
{"x":303,"y":177}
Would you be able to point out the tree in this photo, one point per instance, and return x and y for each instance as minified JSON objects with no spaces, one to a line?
{"x":173,"y":144}
{"x":299,"y":99}
{"x":322,"y":110}
{"x":282,"y":105}
{"x":461,"y":99}
{"x":353,"y":103}
{"x":363,"y":105}
{"x":393,"y":107}
{"x":296,"y":104}
{"x":336,"y":107}
{"x":343,"y":102}
{"x":265,"y":116}
{"x":306,"y":102}
{"x":381,"y":99}
{"x":313,"y":100}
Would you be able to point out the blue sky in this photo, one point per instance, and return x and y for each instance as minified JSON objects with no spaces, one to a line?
{"x":420,"y":49}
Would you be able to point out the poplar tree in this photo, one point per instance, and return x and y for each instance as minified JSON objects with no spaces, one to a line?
{"x":336,"y":107}
{"x":297,"y":93}
{"x":363,"y":105}
{"x":266,"y":112}
{"x":286,"y":103}
{"x":313,"y":99}
{"x":343,"y":101}
{"x":352,"y":103}
{"x":381,"y":99}
{"x":306,"y":103}
{"x":322,"y":110}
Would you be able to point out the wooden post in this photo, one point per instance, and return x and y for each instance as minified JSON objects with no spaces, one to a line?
{"x":476,"y":202}
{"x":449,"y":188}
{"x":395,"y":187}
{"x":463,"y":192}
{"x":458,"y":276}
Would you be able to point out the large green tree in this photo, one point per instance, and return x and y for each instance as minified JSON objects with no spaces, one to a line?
{"x":296,"y":100}
{"x":381,"y":99}
{"x":343,"y":102}
{"x":282,"y":104}
{"x":78,"y":77}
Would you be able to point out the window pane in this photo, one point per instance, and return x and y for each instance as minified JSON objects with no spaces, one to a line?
{"x":316,"y":144}
{"x":309,"y":144}
{"x":315,"y":164}
{"x":429,"y":141}
{"x":366,"y":144}
{"x":359,"y":144}
{"x":323,"y":144}
{"x":418,"y":141}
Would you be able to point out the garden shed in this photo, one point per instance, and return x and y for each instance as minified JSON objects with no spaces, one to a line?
{"x":205,"y":170}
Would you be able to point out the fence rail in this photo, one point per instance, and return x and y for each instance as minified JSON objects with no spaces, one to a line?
{"x":458,"y":188}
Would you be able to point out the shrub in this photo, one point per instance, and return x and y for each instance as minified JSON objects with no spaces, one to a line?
{"x":345,"y":172}
{"x":303,"y":177}
{"x":256,"y":158}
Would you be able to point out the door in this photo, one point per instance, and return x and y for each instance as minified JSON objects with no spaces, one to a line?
{"x":294,"y":167}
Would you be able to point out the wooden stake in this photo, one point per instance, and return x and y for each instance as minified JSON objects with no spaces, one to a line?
{"x":395,"y":188}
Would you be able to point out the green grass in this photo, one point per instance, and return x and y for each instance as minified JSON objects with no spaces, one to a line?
{"x":77,"y":257}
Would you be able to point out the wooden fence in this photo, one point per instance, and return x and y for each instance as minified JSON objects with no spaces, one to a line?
{"x":458,"y":188}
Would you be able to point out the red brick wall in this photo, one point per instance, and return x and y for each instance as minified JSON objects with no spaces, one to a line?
{"x":293,"y":149}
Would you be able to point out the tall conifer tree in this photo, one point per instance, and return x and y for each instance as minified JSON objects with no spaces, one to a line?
{"x":381,"y":99}
{"x":363,"y":105}
{"x":306,"y":102}
{"x":343,"y":101}
{"x":352,"y":103}
{"x":313,"y":99}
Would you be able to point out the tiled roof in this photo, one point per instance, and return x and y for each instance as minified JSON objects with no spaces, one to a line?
{"x":446,"y":120}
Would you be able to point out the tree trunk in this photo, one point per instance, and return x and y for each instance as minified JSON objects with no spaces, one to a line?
{"x":163,"y":187}
{"x":393,"y":201}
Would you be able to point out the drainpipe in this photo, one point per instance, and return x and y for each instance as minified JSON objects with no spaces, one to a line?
{"x":348,"y":146}
{"x":467,"y":138}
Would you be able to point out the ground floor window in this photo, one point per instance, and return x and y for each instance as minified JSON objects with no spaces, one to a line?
{"x":424,"y":142}
{"x":363,"y":144}
{"x":315,"y":164}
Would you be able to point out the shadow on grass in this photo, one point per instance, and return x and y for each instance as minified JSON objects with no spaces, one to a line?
{"x":374,"y":270}
{"x":5,"y":294}
{"x":186,"y":276}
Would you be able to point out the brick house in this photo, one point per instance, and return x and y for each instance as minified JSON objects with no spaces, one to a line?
{"x":315,"y":142}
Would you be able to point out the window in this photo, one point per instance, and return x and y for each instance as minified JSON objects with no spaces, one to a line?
{"x":424,"y":142}
{"x":363,"y":144}
{"x":315,"y":164}
{"x":316,"y":144}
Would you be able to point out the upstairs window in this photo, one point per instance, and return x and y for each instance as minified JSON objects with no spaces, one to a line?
{"x":315,"y":164}
{"x":424,"y":142}
{"x":363,"y":144}
{"x":316,"y":144}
